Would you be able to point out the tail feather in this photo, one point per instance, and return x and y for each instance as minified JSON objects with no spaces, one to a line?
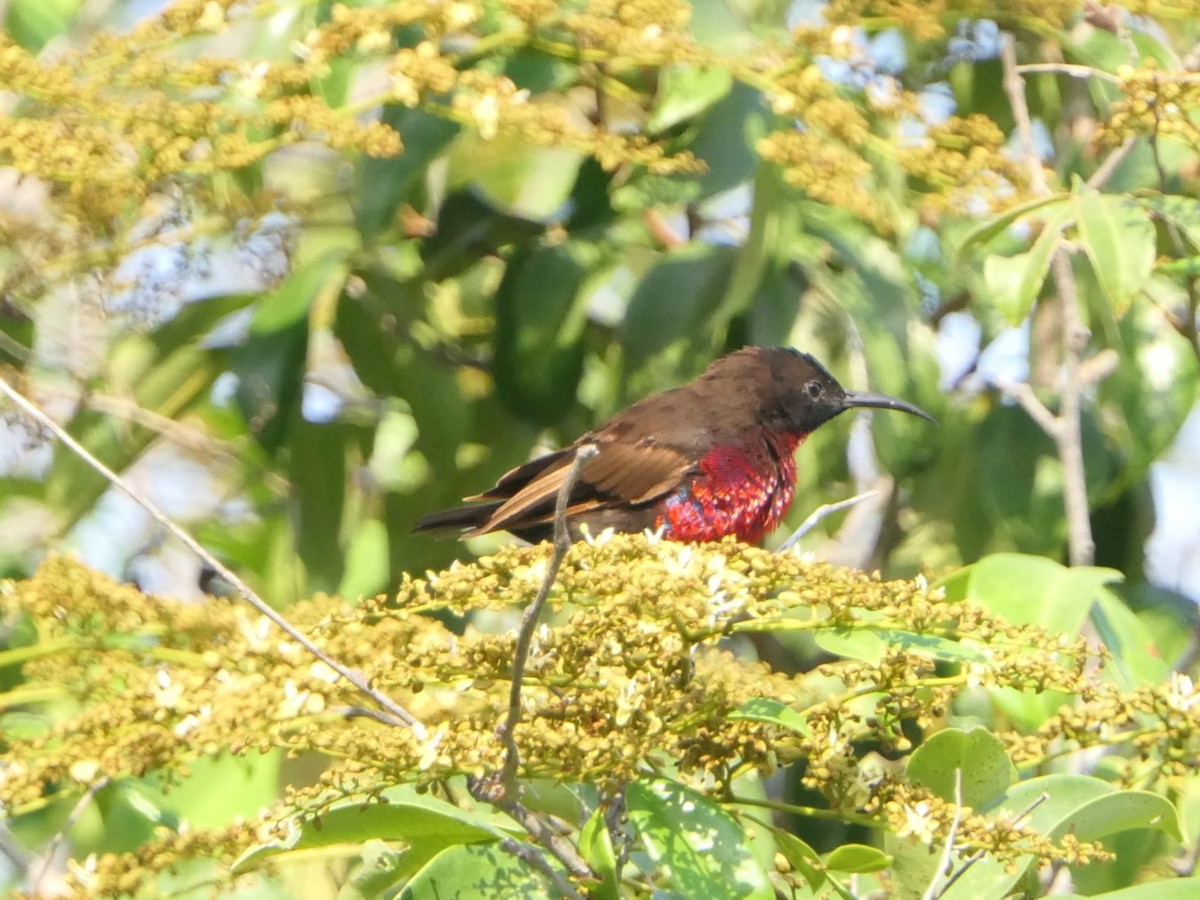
{"x":458,"y":518}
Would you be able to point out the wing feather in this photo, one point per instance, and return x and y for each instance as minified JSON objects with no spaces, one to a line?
{"x":621,"y":472}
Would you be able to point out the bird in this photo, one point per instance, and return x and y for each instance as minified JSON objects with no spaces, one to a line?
{"x":710,"y":458}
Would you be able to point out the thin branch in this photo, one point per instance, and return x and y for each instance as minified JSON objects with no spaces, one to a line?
{"x":531,"y":856}
{"x":979,"y":854}
{"x":351,"y":675}
{"x":1014,"y":88}
{"x":1075,"y":71}
{"x":1082,"y":547}
{"x":1067,"y":431}
{"x":529,"y":620}
{"x":61,"y":835}
{"x":820,"y":513}
{"x":501,"y":789}
{"x":1105,"y":170}
{"x":1024,"y":395}
{"x":945,"y":866}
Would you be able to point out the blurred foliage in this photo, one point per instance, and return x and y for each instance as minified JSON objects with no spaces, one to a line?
{"x":305,"y":271}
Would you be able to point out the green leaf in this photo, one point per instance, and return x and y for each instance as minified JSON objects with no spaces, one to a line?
{"x":852,"y":643}
{"x":519,"y":178}
{"x":857,"y":858}
{"x":804,"y":859}
{"x":1183,"y":212}
{"x":34,"y":22}
{"x":540,"y":320}
{"x":978,"y":754}
{"x":702,"y":849}
{"x":1154,"y":387}
{"x":685,"y":91}
{"x":385,"y":183}
{"x":289,"y":303}
{"x":1055,"y":805}
{"x":367,"y":565}
{"x":1032,"y":590}
{"x":1136,"y":657}
{"x":868,"y":644}
{"x":1165,"y":889}
{"x":993,"y":226}
{"x":666,"y":326}
{"x":477,"y":870}
{"x":428,"y":824}
{"x":772,"y":712}
{"x":380,"y":869}
{"x":1118,"y":238}
{"x":595,"y":846}
{"x":1013,"y":282}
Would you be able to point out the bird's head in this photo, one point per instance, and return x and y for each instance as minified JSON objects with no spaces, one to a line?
{"x":800,"y":395}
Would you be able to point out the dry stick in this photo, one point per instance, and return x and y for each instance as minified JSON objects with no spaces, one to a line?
{"x":529,"y":620}
{"x":979,"y":854}
{"x":944,"y":869}
{"x":1067,"y":431}
{"x":61,"y":835}
{"x":820,"y":513}
{"x":502,"y":790}
{"x":354,"y":677}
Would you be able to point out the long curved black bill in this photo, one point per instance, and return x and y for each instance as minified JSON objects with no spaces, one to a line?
{"x":883,"y":401}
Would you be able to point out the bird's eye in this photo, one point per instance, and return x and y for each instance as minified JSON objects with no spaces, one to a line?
{"x":815,"y":389}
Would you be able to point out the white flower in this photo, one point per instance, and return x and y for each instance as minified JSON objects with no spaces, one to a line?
{"x":428,"y":748}
{"x":918,"y":823}
{"x":166,"y":692}
{"x":1181,"y":693}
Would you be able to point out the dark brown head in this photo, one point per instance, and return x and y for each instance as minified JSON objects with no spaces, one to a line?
{"x":795,"y":393}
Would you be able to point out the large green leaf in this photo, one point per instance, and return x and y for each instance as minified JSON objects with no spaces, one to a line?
{"x":1014,"y":282}
{"x":1154,"y":387}
{"x":1118,"y":237}
{"x":540,"y":320}
{"x":595,"y":846}
{"x":519,"y":178}
{"x":477,"y":870}
{"x":1032,"y":590}
{"x":426,"y":824}
{"x":684,"y":91}
{"x":665,"y":333}
{"x":979,"y":756}
{"x":385,"y":183}
{"x":773,"y":712}
{"x":700,"y":847}
{"x":1165,"y":889}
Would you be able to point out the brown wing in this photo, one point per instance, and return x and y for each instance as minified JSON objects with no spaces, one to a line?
{"x":620,"y":473}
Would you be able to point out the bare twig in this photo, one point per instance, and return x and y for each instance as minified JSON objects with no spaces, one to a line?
{"x":820,"y":513}
{"x":61,"y":835}
{"x":945,"y":866}
{"x":502,"y":789}
{"x":562,"y":543}
{"x":979,"y":854}
{"x":353,"y":676}
{"x":1105,"y":170}
{"x":1075,"y":71}
{"x":1024,"y":395}
{"x":531,"y":856}
{"x":1067,"y":428}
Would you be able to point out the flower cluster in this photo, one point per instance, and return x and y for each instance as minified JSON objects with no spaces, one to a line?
{"x":631,"y":667}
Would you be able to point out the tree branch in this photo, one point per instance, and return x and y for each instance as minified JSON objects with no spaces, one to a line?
{"x":502,"y":789}
{"x":820,"y":513}
{"x":356,"y":678}
{"x":1066,"y":427}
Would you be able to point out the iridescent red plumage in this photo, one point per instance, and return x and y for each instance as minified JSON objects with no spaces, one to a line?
{"x":743,"y":490}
